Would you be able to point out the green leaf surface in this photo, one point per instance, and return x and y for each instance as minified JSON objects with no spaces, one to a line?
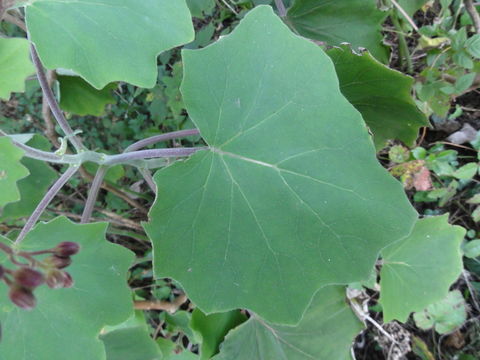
{"x":445,"y":315}
{"x":108,"y":40}
{"x":65,"y":323}
{"x":326,"y":332}
{"x":211,"y":329}
{"x":15,"y":65}
{"x":419,"y":270}
{"x":382,"y":96}
{"x":411,"y":6}
{"x":357,"y":22}
{"x":133,"y":343}
{"x":289,"y":197}
{"x":33,"y":187}
{"x":466,"y":172}
{"x":199,"y":8}
{"x":472,"y":248}
{"x":11,"y":171}
{"x":80,"y":98}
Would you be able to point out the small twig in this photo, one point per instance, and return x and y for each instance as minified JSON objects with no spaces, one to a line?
{"x":472,"y":11}
{"x":230,"y":7}
{"x":148,"y":179}
{"x":405,"y":15}
{"x":170,"y":307}
{"x":93,"y":194}
{"x":466,"y":277}
{"x":117,"y":192}
{"x":15,"y":21}
{"x":47,"y":114}
{"x":32,"y":220}
{"x":281,"y":8}
{"x":52,"y":102}
{"x":159,"y":138}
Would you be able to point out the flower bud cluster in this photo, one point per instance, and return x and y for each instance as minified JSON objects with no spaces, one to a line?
{"x":23,"y":280}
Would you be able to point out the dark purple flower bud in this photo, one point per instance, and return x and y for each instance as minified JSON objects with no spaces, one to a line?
{"x":57,"y":279}
{"x":66,"y":248}
{"x":28,"y":278}
{"x":58,"y":262}
{"x":22,"y":297}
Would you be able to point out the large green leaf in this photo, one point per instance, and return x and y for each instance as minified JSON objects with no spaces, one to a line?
{"x":419,"y":270}
{"x":80,"y":98}
{"x":289,"y":197}
{"x":108,"y":40}
{"x":66,"y":323}
{"x":15,"y":65}
{"x":131,"y":343}
{"x":211,"y":329}
{"x":11,"y":170}
{"x":33,"y":187}
{"x":326,"y":332}
{"x":382,"y":96}
{"x":357,"y":22}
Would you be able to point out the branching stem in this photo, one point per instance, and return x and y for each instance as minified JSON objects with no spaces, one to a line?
{"x":52,"y":102}
{"x":281,"y":8}
{"x":93,"y":194}
{"x":45,"y":201}
{"x":159,"y":138}
{"x":472,"y":11}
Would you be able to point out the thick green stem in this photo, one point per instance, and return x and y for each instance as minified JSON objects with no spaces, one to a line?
{"x":404,"y":52}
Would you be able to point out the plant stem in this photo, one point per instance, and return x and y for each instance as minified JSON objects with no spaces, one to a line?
{"x":144,"y":154}
{"x":472,"y":11}
{"x":405,"y":15}
{"x":159,"y":138}
{"x":93,"y":194}
{"x":57,"y":113}
{"x":148,"y":179}
{"x":131,"y":158}
{"x":402,"y":44}
{"x":281,"y":8}
{"x":32,"y":220}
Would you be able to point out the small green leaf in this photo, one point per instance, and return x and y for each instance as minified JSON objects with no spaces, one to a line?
{"x":466,"y":172}
{"x":411,"y":6}
{"x":326,"y":20}
{"x":132,"y":343}
{"x":476,"y":214}
{"x":445,"y":315}
{"x":382,"y":96}
{"x":464,"y":82}
{"x":65,"y":323}
{"x":15,"y":65}
{"x":11,"y":170}
{"x":472,"y":248}
{"x":211,"y":329}
{"x":287,"y":153}
{"x":325,"y":332}
{"x":200,"y":8}
{"x":80,"y":98}
{"x":419,"y":270}
{"x":33,"y":187}
{"x":474,"y":199}
{"x":108,"y":40}
{"x":473,"y":45}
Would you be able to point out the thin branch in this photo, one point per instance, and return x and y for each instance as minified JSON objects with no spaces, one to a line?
{"x":405,"y":15}
{"x":159,"y":138}
{"x":93,"y":194}
{"x":472,"y":11}
{"x":14,"y":20}
{"x":149,"y":154}
{"x":119,"y":193}
{"x":170,"y":307}
{"x":148,"y":179}
{"x":52,"y":101}
{"x":47,"y":114}
{"x":281,"y":8}
{"x":32,"y":220}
